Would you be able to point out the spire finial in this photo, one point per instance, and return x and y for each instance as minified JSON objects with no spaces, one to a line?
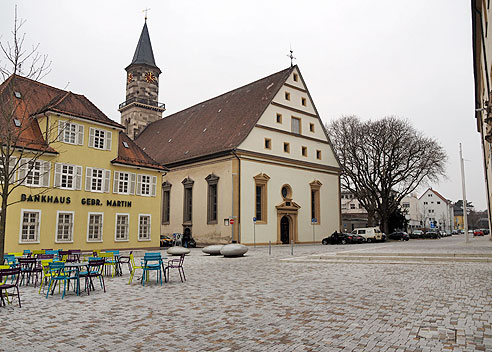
{"x":145,"y":10}
{"x":291,"y":56}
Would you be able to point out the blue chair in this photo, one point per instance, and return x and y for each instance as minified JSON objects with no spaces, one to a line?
{"x":27,"y":252}
{"x":10,"y":260}
{"x":54,"y":252}
{"x":152,"y":262}
{"x":57,"y":275}
{"x":94,"y":269}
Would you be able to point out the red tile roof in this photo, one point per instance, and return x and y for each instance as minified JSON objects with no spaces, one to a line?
{"x":134,"y":155}
{"x":213,"y":126}
{"x":436,"y":193}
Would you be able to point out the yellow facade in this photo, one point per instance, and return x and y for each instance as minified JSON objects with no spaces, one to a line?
{"x":49,"y":202}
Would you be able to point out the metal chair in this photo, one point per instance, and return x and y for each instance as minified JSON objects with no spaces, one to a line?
{"x":175,"y":264}
{"x":15,"y":274}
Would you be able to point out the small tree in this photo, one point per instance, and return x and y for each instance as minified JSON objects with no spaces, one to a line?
{"x":383,"y":161}
{"x":15,"y":119}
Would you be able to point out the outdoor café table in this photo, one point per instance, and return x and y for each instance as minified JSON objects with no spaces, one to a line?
{"x":77,"y":266}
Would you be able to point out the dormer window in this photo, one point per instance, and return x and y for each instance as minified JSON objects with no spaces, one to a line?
{"x":17,"y":123}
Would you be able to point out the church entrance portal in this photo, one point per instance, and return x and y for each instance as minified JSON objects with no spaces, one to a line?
{"x":285,"y":230}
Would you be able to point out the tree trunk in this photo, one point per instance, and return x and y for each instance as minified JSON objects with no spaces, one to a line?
{"x":3,"y":221}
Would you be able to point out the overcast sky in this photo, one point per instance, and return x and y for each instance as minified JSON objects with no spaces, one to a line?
{"x":411,"y":59}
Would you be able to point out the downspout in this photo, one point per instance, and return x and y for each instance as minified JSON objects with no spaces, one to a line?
{"x":239,"y":199}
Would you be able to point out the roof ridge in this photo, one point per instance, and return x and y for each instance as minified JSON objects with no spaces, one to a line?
{"x":218,"y":96}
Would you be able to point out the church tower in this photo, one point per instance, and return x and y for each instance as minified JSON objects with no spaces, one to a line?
{"x":141,"y":106}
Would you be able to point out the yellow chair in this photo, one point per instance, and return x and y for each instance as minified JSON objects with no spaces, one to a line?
{"x":46,"y":272}
{"x":17,"y":254}
{"x":109,"y":261}
{"x":37,"y":251}
{"x":134,"y":268}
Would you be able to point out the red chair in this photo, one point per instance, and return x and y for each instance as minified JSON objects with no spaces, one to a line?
{"x":15,"y":273}
{"x":175,"y":264}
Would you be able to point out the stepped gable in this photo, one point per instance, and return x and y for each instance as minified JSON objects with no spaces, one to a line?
{"x":131,"y":154}
{"x":217,"y":125}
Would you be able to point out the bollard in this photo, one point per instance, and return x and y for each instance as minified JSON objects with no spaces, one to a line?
{"x":291,"y":247}
{"x":269,"y":247}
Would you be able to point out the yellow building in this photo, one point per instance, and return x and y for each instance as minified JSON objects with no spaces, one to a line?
{"x":91,"y":188}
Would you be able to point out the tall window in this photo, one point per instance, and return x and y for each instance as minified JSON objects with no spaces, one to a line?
{"x":296,"y":125}
{"x":261,"y":181}
{"x":315,"y":201}
{"x":122,"y":223}
{"x":144,"y":227}
{"x":64,"y":227}
{"x":35,"y":172}
{"x":30,"y":226}
{"x":124,"y":182}
{"x":69,"y":132}
{"x":68,"y":176}
{"x":212,"y":181}
{"x":95,"y":227}
{"x":166,"y":202}
{"x":188,"y":201}
{"x":100,"y":139}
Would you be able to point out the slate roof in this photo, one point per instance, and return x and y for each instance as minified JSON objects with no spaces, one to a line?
{"x":217,"y":125}
{"x":143,"y":53}
{"x":133,"y":155}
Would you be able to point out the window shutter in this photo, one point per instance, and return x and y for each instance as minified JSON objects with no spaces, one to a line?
{"x":116,"y":181}
{"x":23,"y":170}
{"x":61,"y":127}
{"x":107,"y":180}
{"x":78,"y":177}
{"x":88,"y":178}
{"x":12,"y":172}
{"x":57,"y":180}
{"x":92,"y":133}
{"x":154,"y":182}
{"x":45,"y":166}
{"x":132,"y":183}
{"x":139,"y":184}
{"x":107,"y":142}
{"x":80,"y":134}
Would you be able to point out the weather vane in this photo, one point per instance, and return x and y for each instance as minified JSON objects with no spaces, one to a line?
{"x":146,"y":10}
{"x":291,"y":56}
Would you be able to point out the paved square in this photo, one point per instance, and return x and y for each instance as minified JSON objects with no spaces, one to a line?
{"x":259,"y":303}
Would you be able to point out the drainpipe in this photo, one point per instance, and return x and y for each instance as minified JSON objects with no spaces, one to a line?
{"x":239,"y":198}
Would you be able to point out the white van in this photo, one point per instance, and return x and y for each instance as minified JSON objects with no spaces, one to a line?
{"x":371,"y":234}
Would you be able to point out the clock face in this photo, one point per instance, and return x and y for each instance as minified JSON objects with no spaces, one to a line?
{"x":129,"y":78}
{"x":149,"y":77}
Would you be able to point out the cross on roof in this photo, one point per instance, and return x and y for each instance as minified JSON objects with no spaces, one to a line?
{"x":145,"y":10}
{"x":291,"y":56}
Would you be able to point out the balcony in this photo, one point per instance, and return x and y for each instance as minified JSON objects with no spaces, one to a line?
{"x":142,"y":101}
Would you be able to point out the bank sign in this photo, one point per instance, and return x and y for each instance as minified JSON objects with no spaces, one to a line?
{"x":38,"y":198}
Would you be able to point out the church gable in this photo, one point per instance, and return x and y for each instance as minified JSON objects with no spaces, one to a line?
{"x":290,"y":126}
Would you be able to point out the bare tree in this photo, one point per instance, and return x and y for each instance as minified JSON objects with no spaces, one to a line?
{"x":18,"y":151}
{"x":383,"y":161}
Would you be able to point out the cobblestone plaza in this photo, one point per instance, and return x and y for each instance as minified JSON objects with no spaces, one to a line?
{"x":261,"y":303}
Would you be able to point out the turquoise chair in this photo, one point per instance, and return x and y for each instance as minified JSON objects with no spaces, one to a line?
{"x":152,"y":262}
{"x":57,"y":275}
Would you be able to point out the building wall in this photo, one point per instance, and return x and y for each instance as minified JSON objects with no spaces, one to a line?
{"x":440,"y":211}
{"x":202,"y":232}
{"x":299,"y":180}
{"x":82,"y":202}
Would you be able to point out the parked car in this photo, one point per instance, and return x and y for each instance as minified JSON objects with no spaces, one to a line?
{"x":432,"y":234}
{"x":478,"y":232}
{"x":371,"y":234}
{"x":417,"y":234}
{"x":485,"y":232}
{"x":340,"y":238}
{"x":399,"y":235}
{"x":166,"y":241}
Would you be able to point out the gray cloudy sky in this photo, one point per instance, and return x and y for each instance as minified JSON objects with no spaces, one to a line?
{"x":412,"y":59}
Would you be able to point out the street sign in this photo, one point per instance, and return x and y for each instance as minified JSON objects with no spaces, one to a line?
{"x":432,"y":225}
{"x":231,"y":221}
{"x":313,"y":220}
{"x":254,"y":219}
